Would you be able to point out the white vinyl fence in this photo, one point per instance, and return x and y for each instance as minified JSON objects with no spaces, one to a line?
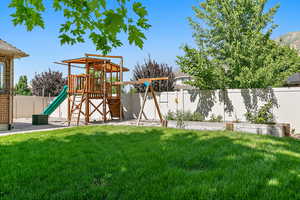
{"x":231,"y":105}
{"x":26,"y":106}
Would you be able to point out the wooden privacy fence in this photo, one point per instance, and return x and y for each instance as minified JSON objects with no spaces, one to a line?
{"x":26,"y":106}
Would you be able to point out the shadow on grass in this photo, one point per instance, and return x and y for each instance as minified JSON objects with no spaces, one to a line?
{"x":149,"y":163}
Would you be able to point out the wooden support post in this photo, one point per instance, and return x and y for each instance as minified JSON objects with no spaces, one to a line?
{"x":156,"y":105}
{"x":104,"y":93}
{"x":117,"y":80}
{"x":111,"y":81}
{"x":145,"y":116}
{"x":143,"y":106}
{"x":87,"y":89}
{"x":69,"y":95}
{"x":121,"y":79}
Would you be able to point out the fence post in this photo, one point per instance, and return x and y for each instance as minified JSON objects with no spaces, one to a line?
{"x":33,"y":107}
{"x":16,"y":108}
{"x":182,"y":99}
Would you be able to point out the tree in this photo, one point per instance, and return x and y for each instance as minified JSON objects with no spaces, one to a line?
{"x":100,"y":20}
{"x":22,"y":86}
{"x":152,"y":69}
{"x":48,"y":83}
{"x":234,"y":49}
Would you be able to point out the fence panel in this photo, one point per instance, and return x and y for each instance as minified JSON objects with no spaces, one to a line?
{"x":26,"y":106}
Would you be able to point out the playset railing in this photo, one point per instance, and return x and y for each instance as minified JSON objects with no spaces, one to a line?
{"x":90,"y":84}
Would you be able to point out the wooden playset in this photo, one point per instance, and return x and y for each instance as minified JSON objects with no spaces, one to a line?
{"x":103,"y":81}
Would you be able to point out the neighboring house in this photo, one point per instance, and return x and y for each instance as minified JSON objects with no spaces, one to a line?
{"x":180,"y":81}
{"x":7,"y":55}
{"x":294,"y":80}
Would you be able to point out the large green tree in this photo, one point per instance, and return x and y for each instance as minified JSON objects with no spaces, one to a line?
{"x":234,"y":49}
{"x":99,"y":20}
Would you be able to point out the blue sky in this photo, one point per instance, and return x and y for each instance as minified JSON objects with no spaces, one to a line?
{"x":169,"y":31}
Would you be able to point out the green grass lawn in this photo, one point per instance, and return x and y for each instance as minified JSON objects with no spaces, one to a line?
{"x":119,"y":162}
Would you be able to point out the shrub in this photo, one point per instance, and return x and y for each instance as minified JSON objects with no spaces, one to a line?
{"x":185,"y":116}
{"x":198,"y":117}
{"x":48,"y":83}
{"x":263,"y":116}
{"x":151,"y":69}
{"x":180,"y":120}
{"x":170,"y":115}
{"x":214,"y":118}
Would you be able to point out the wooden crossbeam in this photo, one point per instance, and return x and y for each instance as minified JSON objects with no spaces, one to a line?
{"x":103,"y":56}
{"x":140,"y":81}
{"x":154,"y":79}
{"x":75,"y":66}
{"x":128,"y":83}
{"x":96,"y":108}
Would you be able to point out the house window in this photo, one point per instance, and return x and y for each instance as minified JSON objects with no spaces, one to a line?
{"x":2,"y":75}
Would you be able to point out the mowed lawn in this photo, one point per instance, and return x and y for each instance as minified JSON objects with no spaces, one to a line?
{"x":120,"y":162}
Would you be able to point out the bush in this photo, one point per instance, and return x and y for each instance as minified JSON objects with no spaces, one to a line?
{"x":170,"y":115}
{"x":185,"y":116}
{"x":263,"y":116}
{"x":214,"y":118}
{"x":49,"y":83}
{"x":152,"y":69}
{"x":198,"y":117}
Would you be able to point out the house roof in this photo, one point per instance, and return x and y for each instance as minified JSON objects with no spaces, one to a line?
{"x":184,"y":87}
{"x":7,"y":49}
{"x":180,"y":74}
{"x":294,"y":79}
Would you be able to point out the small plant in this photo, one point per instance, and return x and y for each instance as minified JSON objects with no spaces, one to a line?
{"x":214,"y":118}
{"x":187,"y":116}
{"x":263,"y":116}
{"x":170,"y":115}
{"x":180,"y":120}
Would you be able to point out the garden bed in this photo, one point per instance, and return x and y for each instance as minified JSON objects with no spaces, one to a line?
{"x":278,"y":130}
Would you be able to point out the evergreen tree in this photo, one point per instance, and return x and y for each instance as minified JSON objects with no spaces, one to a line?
{"x":22,"y":86}
{"x":234,"y":49}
